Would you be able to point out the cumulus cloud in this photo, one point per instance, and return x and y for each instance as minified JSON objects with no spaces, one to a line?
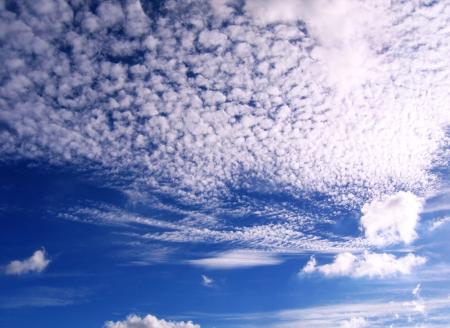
{"x":235,"y":259}
{"x":392,"y":219}
{"x":37,"y":262}
{"x":149,"y":321}
{"x":371,"y":265}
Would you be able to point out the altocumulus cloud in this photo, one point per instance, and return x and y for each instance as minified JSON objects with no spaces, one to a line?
{"x":206,"y":105}
{"x":35,"y":263}
{"x":149,"y":321}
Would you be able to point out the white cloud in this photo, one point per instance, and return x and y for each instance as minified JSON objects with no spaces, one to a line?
{"x":377,"y":313}
{"x":149,"y":321}
{"x":199,"y":110}
{"x":438,"y":223}
{"x":392,"y":219}
{"x":221,"y":8}
{"x":237,"y":259}
{"x":310,"y":265}
{"x":354,"y":322}
{"x":207,"y":281}
{"x":347,"y":32}
{"x":371,"y":265}
{"x":203,"y":118}
{"x":35,"y":263}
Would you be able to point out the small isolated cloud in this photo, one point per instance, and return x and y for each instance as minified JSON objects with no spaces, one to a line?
{"x":418,"y":303}
{"x":35,"y":263}
{"x":237,"y":259}
{"x":355,"y":322}
{"x":149,"y":321}
{"x":207,"y":281}
{"x":371,"y":265}
{"x":392,"y":219}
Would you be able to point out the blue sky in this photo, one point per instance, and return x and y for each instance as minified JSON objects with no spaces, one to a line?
{"x":224,"y":163}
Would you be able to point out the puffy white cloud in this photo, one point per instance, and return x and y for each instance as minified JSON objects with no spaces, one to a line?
{"x":237,"y":259}
{"x":392,"y":219}
{"x":149,"y":321}
{"x":35,"y":263}
{"x":372,"y":265}
{"x":310,"y":265}
{"x":221,"y":8}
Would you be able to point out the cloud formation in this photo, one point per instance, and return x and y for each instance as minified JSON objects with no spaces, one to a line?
{"x":207,"y":105}
{"x":371,"y":265}
{"x":354,"y":322}
{"x":237,"y":259}
{"x":376,"y":314}
{"x":207,"y":281}
{"x":37,"y":262}
{"x":149,"y":321}
{"x":392,"y":219}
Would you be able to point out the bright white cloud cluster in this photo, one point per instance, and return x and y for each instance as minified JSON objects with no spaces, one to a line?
{"x":237,"y":259}
{"x":149,"y":321}
{"x":392,"y":219}
{"x":347,"y":31}
{"x":371,"y":265}
{"x":35,"y":263}
{"x":206,"y":105}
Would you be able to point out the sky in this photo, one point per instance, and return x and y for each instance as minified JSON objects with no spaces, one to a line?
{"x":224,"y":163}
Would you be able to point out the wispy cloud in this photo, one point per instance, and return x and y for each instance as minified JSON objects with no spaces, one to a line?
{"x":207,"y":281}
{"x":42,"y":296}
